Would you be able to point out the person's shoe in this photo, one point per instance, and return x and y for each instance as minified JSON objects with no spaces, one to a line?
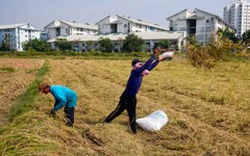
{"x":134,"y":131}
{"x":69,"y":124}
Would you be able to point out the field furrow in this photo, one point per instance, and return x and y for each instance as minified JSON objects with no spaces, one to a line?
{"x":15,"y":76}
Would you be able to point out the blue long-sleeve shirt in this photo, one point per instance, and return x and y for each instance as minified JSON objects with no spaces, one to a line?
{"x":153,"y":65}
{"x":64,"y":96}
{"x":135,"y":79}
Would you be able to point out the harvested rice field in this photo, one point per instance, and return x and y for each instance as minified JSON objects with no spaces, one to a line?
{"x":208,"y":110}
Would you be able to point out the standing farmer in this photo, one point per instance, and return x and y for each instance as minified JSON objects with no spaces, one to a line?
{"x":128,"y":98}
{"x":64,"y":97}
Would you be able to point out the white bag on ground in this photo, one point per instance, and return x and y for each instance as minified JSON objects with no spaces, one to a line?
{"x":154,"y":121}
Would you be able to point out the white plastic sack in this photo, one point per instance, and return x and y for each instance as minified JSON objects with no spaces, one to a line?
{"x":167,"y":55}
{"x":153,"y":122}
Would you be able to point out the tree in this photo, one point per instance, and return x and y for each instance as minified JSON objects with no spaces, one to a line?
{"x":37,"y":45}
{"x":4,"y":47}
{"x":89,"y":45}
{"x":226,"y":33}
{"x":63,"y":44}
{"x":105,"y":45}
{"x":163,"y":43}
{"x":246,"y":37}
{"x":132,"y":43}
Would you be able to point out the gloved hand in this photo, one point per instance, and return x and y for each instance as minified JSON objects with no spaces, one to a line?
{"x":53,"y":113}
{"x":156,"y":51}
{"x":145,"y":72}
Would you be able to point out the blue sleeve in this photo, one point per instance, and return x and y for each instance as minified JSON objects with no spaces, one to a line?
{"x":60,"y":101}
{"x":56,"y":103}
{"x":153,"y":65}
{"x":146,"y":65}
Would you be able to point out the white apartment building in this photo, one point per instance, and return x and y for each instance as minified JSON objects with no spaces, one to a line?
{"x":66,"y":28}
{"x":116,"y":28}
{"x":15,"y":35}
{"x":125,"y":24}
{"x":199,"y":23}
{"x":149,"y":38}
{"x":237,"y":14}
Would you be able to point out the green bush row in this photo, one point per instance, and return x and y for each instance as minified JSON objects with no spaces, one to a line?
{"x":86,"y":55}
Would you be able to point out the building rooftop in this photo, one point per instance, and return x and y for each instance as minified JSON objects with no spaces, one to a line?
{"x":12,"y":26}
{"x":81,"y":25}
{"x":120,"y":36}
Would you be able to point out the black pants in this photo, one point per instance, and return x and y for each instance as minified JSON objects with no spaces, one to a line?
{"x":129,"y":103}
{"x":69,"y":115}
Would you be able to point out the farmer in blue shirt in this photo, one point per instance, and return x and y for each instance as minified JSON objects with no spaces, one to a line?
{"x":128,"y":98}
{"x":64,"y":97}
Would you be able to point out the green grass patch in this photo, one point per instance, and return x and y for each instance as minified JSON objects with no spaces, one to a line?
{"x":8,"y":69}
{"x":25,"y":101}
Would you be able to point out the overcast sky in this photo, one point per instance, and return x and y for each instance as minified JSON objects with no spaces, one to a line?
{"x":39,"y":13}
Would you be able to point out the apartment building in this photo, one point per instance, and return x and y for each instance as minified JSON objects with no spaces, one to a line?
{"x":237,"y":14}
{"x":149,"y":38}
{"x":116,"y":28}
{"x":66,"y":28}
{"x":199,"y":23}
{"x":15,"y":35}
{"x":125,"y":24}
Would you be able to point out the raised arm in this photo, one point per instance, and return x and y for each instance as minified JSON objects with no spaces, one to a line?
{"x":146,"y":65}
{"x":153,"y":65}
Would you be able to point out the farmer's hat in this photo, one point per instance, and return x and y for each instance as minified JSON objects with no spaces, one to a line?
{"x":42,"y":86}
{"x":136,"y":61}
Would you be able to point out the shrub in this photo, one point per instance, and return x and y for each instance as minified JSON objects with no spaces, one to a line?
{"x":208,"y":55}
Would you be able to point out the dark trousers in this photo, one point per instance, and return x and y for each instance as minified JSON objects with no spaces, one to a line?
{"x":69,"y":115}
{"x":129,"y":103}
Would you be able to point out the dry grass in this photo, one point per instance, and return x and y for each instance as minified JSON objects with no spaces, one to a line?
{"x":208,"y":112}
{"x":18,"y":74}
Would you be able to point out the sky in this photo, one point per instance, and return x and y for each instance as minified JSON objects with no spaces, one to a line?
{"x":40,"y":13}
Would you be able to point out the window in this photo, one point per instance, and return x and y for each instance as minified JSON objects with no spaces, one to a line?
{"x":113,"y":28}
{"x":116,"y":44}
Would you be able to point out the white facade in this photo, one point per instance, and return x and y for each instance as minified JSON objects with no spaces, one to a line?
{"x":197,"y":23}
{"x":237,"y":14}
{"x":15,"y":35}
{"x":149,"y":38}
{"x":123,"y":24}
{"x":116,"y":28}
{"x":65,"y":28}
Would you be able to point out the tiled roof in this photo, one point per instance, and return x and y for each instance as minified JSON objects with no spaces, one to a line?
{"x":144,"y":35}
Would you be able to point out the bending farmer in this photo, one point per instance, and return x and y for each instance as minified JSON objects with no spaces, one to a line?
{"x":64,"y":97}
